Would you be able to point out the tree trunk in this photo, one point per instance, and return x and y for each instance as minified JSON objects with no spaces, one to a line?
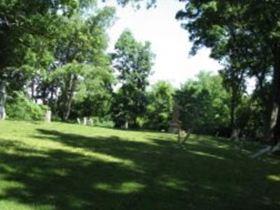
{"x":234,"y":130}
{"x":69,"y":96}
{"x":273,"y":134}
{"x":232,"y":110}
{"x":33,"y":90}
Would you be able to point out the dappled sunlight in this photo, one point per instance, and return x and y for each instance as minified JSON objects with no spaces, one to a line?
{"x":7,"y":184}
{"x":52,"y":145}
{"x":22,"y":148}
{"x":99,"y":156}
{"x":15,"y":205}
{"x":274,"y":178}
{"x":207,"y":155}
{"x":125,"y":187}
{"x":173,"y":183}
{"x":102,"y":169}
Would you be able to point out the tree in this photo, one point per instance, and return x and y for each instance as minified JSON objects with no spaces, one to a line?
{"x":80,"y":54}
{"x":133,"y":61}
{"x":137,"y":3}
{"x":160,"y":105}
{"x":204,"y":105}
{"x":94,"y":94}
{"x":246,"y":30}
{"x":26,"y":24}
{"x":28,"y":30}
{"x":234,"y":82}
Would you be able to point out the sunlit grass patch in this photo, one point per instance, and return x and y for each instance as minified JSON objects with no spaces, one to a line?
{"x":14,"y":205}
{"x":275,"y":178}
{"x":126,"y":187}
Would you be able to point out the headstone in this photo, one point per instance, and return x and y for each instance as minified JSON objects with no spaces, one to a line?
{"x":84,"y":121}
{"x":2,"y":113}
{"x":126,"y":125}
{"x":48,"y":116}
{"x":78,"y":121}
{"x":90,"y":122}
{"x":2,"y":100}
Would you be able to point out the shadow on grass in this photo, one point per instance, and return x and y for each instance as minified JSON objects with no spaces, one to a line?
{"x":114,"y":173}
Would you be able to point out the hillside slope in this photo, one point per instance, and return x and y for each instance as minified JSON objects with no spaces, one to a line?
{"x":64,"y":167}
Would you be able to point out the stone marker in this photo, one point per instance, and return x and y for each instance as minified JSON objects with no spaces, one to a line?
{"x":84,"y":121}
{"x":48,"y":116}
{"x":2,"y":113}
{"x":90,"y":122}
{"x":2,"y":100}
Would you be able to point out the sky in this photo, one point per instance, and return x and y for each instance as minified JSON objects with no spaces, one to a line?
{"x":169,"y":41}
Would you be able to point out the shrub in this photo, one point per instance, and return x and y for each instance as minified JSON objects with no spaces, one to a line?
{"x":19,"y":107}
{"x":103,"y":122}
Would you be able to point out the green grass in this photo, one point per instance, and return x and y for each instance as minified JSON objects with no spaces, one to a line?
{"x":66,"y":167}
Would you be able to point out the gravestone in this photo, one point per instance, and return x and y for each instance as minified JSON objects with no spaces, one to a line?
{"x":90,"y":122}
{"x":48,"y":116}
{"x":84,"y":121}
{"x":2,"y":113}
{"x":2,"y":100}
{"x":126,"y":125}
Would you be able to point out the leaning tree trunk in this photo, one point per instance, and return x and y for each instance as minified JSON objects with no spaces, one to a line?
{"x":273,"y":134}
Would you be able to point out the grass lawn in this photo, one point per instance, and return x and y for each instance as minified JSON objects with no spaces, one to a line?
{"x":66,"y":167}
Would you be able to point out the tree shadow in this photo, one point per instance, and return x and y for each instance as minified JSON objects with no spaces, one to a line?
{"x":114,"y":173}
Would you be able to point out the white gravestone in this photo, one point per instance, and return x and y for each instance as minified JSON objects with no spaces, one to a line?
{"x":48,"y":116}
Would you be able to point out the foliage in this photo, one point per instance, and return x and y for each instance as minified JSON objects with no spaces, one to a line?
{"x":133,"y":61}
{"x":138,"y":3}
{"x":27,"y":32}
{"x":204,"y":105}
{"x":245,"y":36}
{"x":160,"y":105}
{"x":46,"y":44}
{"x":82,"y":60}
{"x":19,"y":107}
{"x":94,"y":94}
{"x":105,"y":122}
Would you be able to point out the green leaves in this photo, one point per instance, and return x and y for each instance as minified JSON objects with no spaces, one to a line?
{"x":244,"y":35}
{"x":204,"y":104}
{"x":160,"y":105}
{"x":133,"y":61}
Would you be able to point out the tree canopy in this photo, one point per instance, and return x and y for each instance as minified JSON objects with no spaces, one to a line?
{"x":133,"y":60}
{"x":244,"y":35}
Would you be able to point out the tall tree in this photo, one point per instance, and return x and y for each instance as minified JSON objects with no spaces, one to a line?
{"x":133,"y":61}
{"x":204,"y":105}
{"x":27,"y":31}
{"x":160,"y":105}
{"x":247,"y":30}
{"x":80,"y":53}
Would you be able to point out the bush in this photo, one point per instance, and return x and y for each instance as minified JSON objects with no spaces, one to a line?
{"x":103,"y":122}
{"x":19,"y":107}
